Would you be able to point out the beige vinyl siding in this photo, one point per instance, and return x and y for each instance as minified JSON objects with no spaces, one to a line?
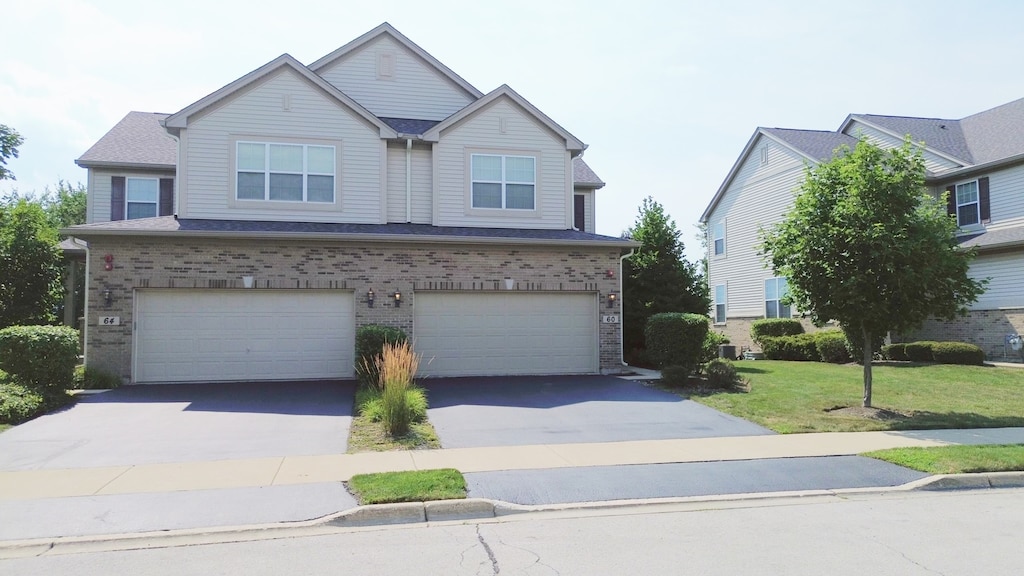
{"x":1006,"y":195}
{"x":422,"y":184}
{"x":933,"y":162}
{"x":415,"y":90}
{"x":98,"y":198}
{"x":259,"y":114}
{"x":1006,"y":271}
{"x":589,"y":217}
{"x":759,"y":195}
{"x":481,"y":133}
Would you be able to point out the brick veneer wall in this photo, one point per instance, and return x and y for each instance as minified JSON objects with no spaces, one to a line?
{"x":386,"y":268}
{"x":986,"y":329}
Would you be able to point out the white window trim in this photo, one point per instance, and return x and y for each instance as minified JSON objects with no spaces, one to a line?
{"x":777,"y":300}
{"x":724,"y":304}
{"x":156,"y":204}
{"x":504,"y":182}
{"x":715,"y":239}
{"x":305,"y":173}
{"x":977,"y":203}
{"x":252,"y":204}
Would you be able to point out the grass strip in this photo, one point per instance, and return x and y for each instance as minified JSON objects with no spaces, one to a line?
{"x":956,"y":459}
{"x":412,"y":486}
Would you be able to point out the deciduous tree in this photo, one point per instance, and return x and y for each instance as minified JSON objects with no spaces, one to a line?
{"x":9,"y":142}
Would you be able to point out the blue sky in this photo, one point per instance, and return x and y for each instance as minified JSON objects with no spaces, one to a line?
{"x":666,"y":94}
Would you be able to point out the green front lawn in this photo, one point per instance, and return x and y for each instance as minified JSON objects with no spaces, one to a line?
{"x":413,"y":486}
{"x":793,"y":397}
{"x":956,"y":459}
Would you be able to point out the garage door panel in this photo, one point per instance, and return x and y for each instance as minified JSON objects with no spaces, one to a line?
{"x":506,"y":333}
{"x":222,"y":335}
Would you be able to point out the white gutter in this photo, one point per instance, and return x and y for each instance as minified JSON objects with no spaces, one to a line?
{"x":622,"y":303}
{"x":85,"y":303}
{"x":408,"y":180}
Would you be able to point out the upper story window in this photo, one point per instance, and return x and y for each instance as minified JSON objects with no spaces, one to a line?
{"x":775,"y":290}
{"x":718,"y":238}
{"x":967,"y":204}
{"x":142,"y":198}
{"x":720,"y":304}
{"x":285,"y":172}
{"x":507,"y":182}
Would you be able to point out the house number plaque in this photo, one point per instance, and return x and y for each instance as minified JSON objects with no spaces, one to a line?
{"x":110,"y":321}
{"x":609,"y":319}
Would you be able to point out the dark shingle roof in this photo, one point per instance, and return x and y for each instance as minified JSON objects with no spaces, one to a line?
{"x":138,"y":139}
{"x":165,"y":225}
{"x":583,"y":176}
{"x":410,"y":126}
{"x":939,"y":134}
{"x":994,"y":238}
{"x":997,"y":133}
{"x":818,"y":144}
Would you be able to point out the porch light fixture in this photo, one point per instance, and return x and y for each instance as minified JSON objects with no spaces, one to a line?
{"x":612,"y":297}
{"x":398,"y":299}
{"x":107,"y":299}
{"x":369,"y":298}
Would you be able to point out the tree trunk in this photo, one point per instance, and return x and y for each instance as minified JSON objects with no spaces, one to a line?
{"x":867,"y":367}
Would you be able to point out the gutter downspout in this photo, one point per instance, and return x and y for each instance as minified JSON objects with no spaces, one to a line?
{"x":622,"y":300}
{"x":85,"y":303}
{"x":408,"y":180}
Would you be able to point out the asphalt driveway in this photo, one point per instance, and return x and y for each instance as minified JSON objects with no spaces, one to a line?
{"x":186,"y":423}
{"x":522,"y":410}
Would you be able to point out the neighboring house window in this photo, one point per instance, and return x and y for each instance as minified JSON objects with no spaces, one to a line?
{"x":141,"y":198}
{"x":285,"y":172}
{"x":967,"y":204}
{"x":579,"y":212}
{"x":718,"y":234}
{"x":720,"y":304}
{"x":507,"y":182}
{"x":775,"y":290}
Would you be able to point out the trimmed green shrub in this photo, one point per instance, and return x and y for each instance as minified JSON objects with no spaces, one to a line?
{"x":919,"y":351}
{"x":40,"y":357}
{"x":855,"y":345}
{"x":798,"y":347}
{"x":370,"y":340}
{"x":958,"y":353}
{"x":18,"y":403}
{"x":721,"y":373}
{"x":675,"y":375}
{"x":896,"y":351}
{"x":775,"y":327}
{"x":89,"y":378}
{"x":711,"y":343}
{"x":832,"y":346}
{"x":676,"y":339}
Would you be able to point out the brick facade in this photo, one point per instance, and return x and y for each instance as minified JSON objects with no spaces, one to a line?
{"x":986,"y":329}
{"x":140,"y":263}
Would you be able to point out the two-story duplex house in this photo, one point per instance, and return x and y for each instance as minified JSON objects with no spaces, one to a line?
{"x":978,"y":160}
{"x":249,"y":234}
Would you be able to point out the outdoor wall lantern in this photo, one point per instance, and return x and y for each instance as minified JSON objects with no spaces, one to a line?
{"x":612,"y":297}
{"x":398,"y":299}
{"x":107,"y":299}
{"x":369,"y":298}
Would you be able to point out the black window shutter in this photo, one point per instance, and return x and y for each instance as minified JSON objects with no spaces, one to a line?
{"x":166,"y":196}
{"x":579,"y":214}
{"x":983,"y":203}
{"x":951,"y":200}
{"x":117,"y":198}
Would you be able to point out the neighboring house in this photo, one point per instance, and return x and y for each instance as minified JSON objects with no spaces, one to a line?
{"x":979,"y":160}
{"x":248,"y":235}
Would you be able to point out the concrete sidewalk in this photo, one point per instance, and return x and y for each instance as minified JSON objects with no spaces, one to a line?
{"x":295,"y":470}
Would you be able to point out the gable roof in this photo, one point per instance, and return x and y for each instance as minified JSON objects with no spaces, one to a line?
{"x":409,"y":126}
{"x":583,"y":176}
{"x":138,"y":140}
{"x":180,"y":119}
{"x":389,"y":30}
{"x":940,"y":135}
{"x":505,"y":92}
{"x":995,"y":134}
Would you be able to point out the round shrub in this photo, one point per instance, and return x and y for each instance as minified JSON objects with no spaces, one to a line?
{"x":676,"y":339}
{"x":855,"y":344}
{"x":897,"y":351}
{"x":675,"y":375}
{"x":831,"y":346}
{"x":370,"y":340}
{"x":721,"y":373}
{"x":711,"y":343}
{"x":40,"y":357}
{"x":18,"y":403}
{"x":798,"y":347}
{"x":919,"y":351}
{"x":775,"y":327}
{"x":958,"y":353}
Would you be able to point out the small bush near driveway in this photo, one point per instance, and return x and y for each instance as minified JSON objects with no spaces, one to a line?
{"x":676,"y":339}
{"x":42,"y":358}
{"x":413,"y":486}
{"x":370,"y":341}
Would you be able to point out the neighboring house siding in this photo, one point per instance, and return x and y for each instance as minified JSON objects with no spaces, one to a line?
{"x":1006,"y":288}
{"x":422,"y":184}
{"x":98,"y":198}
{"x":259,"y":114}
{"x":758,"y":193}
{"x":1006,"y":197}
{"x":414,"y":90}
{"x":933,"y":162}
{"x":589,"y":218}
{"x":481,"y":133}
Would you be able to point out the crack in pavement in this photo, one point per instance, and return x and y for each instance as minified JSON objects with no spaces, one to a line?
{"x":490,"y":553}
{"x":536,"y":557}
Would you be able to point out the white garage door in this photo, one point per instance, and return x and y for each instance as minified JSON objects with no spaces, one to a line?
{"x":474,"y":334}
{"x":223,"y":335}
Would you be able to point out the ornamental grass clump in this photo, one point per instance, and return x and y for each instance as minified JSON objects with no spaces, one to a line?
{"x":397,"y":365}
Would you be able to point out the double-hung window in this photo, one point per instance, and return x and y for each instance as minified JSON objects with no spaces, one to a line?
{"x":718,"y":237}
{"x":508,"y":182}
{"x":775,"y":291}
{"x":967,"y":205}
{"x":142,"y":197}
{"x":720,"y":303}
{"x":285,"y":172}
